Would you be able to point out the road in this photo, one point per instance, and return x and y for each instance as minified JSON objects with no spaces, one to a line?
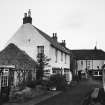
{"x":74,"y":95}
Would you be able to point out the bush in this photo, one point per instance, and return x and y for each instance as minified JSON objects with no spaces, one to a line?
{"x":58,"y":81}
{"x":33,"y":83}
{"x":45,"y":83}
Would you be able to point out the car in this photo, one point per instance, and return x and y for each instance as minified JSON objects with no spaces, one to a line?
{"x":97,"y":74}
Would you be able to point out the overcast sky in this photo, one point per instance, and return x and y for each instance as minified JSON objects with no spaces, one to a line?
{"x":80,"y":22}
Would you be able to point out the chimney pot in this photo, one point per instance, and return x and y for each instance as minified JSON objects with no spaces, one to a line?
{"x":54,"y":36}
{"x":29,"y":13}
{"x":63,"y":43}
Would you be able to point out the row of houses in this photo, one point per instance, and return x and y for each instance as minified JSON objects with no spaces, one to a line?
{"x":29,"y":41}
{"x":87,"y":60}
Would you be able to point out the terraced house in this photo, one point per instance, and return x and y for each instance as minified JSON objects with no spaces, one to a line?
{"x":33,"y":41}
{"x":88,"y":60}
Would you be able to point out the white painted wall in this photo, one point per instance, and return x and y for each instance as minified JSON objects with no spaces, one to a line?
{"x":28,"y":38}
{"x":99,"y":63}
{"x":93,"y":64}
{"x":59,"y":63}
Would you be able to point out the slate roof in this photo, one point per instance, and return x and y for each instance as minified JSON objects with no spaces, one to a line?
{"x":95,"y":54}
{"x":12,"y":55}
{"x":53,"y":43}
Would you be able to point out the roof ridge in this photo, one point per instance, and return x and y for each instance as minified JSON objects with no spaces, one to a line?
{"x":53,"y":43}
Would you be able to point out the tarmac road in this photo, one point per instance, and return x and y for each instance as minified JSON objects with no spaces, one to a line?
{"x":74,"y":95}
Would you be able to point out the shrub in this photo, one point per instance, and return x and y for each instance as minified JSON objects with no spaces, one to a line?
{"x":58,"y":81}
{"x":33,"y":83}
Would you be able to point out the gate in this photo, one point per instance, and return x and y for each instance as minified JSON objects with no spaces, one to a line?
{"x":5,"y":81}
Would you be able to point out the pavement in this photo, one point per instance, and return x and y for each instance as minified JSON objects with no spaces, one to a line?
{"x":74,"y":95}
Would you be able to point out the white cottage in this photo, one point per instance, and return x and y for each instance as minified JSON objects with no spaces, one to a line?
{"x":33,"y":41}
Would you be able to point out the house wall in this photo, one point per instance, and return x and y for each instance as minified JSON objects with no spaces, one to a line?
{"x":90,"y":64}
{"x":27,"y":38}
{"x":59,"y":63}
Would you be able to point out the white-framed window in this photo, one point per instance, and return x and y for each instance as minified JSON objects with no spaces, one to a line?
{"x":81,"y":62}
{"x":4,"y":77}
{"x":4,"y":81}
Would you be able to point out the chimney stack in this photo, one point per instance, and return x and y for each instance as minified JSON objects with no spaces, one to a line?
{"x":63,"y":43}
{"x":27,"y":19}
{"x":54,"y":37}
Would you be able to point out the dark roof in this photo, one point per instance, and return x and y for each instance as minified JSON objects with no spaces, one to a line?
{"x":12,"y":55}
{"x":95,"y":54}
{"x":53,"y":43}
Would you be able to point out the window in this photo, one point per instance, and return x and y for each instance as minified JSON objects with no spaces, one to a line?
{"x":47,"y":71}
{"x":4,"y":78}
{"x":40,"y":49}
{"x":54,"y":72}
{"x":56,"y":55}
{"x":95,"y":73}
{"x":100,"y":72}
{"x":88,"y":67}
{"x":88,"y":63}
{"x":81,"y":62}
{"x":61,"y":56}
{"x":4,"y":81}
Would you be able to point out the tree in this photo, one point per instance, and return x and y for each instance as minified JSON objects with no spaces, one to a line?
{"x":42,"y":61}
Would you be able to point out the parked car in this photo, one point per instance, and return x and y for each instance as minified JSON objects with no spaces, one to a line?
{"x":97,"y":74}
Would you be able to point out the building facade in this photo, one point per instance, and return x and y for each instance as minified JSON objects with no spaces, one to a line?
{"x":88,"y":60}
{"x":33,"y":41}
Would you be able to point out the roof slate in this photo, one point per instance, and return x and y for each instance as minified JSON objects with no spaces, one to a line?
{"x":53,"y":43}
{"x":89,"y":54}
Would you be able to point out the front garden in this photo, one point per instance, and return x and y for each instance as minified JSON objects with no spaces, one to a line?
{"x":35,"y":88}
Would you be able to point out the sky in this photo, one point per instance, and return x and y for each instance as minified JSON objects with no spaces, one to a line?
{"x":80,"y":22}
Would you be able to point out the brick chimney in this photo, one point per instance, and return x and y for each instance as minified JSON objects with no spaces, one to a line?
{"x":54,"y":36}
{"x":63,"y":43}
{"x":27,"y":19}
